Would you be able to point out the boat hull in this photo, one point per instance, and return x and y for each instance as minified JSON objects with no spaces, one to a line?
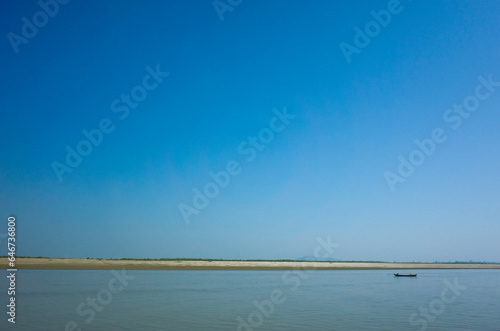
{"x":398,"y":275}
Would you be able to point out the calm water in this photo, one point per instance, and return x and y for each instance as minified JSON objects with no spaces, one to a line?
{"x":220,"y":300}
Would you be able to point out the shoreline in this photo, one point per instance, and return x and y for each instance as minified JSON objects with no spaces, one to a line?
{"x":84,"y":264}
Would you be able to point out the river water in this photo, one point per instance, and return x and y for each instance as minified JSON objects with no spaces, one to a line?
{"x":253,"y":300}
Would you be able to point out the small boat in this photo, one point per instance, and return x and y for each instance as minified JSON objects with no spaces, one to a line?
{"x":410,"y":275}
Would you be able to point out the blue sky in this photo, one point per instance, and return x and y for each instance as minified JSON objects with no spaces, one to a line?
{"x":323,"y":174}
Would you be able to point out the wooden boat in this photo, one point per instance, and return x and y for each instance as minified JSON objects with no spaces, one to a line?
{"x":410,"y":275}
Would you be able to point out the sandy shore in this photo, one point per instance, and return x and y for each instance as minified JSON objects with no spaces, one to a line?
{"x":84,"y":264}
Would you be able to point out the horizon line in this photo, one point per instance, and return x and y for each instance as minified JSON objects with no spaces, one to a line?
{"x":251,"y":260}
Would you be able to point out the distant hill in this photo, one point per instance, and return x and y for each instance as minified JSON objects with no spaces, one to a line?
{"x":313,"y":258}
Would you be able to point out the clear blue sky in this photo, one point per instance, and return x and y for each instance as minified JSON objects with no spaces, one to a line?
{"x":323,"y":174}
